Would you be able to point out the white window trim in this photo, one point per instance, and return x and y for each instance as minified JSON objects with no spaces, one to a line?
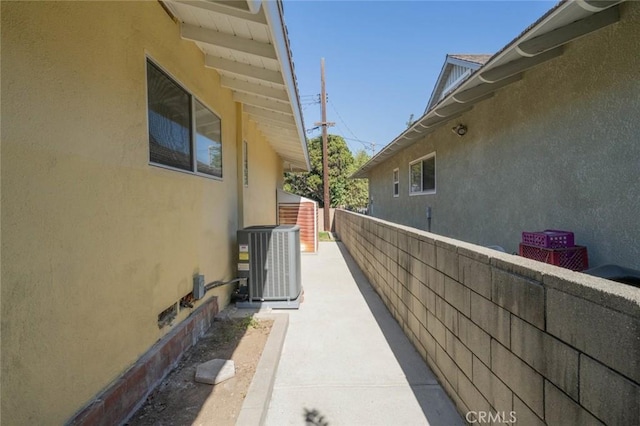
{"x":396,"y":181}
{"x":194,"y":171}
{"x":431,"y":191}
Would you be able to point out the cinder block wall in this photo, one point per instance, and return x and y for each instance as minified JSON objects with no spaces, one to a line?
{"x":503,"y":333}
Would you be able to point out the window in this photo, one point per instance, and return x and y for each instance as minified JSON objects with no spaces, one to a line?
{"x":422,"y":175}
{"x":396,"y":182}
{"x":245,"y":163}
{"x":183,"y":133}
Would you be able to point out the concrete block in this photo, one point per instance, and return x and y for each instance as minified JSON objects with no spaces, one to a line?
{"x":475,"y":275}
{"x":606,"y":293}
{"x":518,"y":265}
{"x":525,"y":416}
{"x":429,"y":299}
{"x":447,"y":314}
{"x":474,"y":338}
{"x":402,"y":241}
{"x":428,"y":341}
{"x":609,"y":336}
{"x":215,"y":371}
{"x":448,"y":367}
{"x":491,"y":318}
{"x":550,"y":357}
{"x":491,"y":387}
{"x":559,"y":409}
{"x":523,"y":380}
{"x":436,"y":281}
{"x":419,"y":311}
{"x":418,"y":269}
{"x":437,"y":329}
{"x":447,"y":261}
{"x":519,"y":295}
{"x":611,"y":397}
{"x":471,"y":396}
{"x":459,"y":353}
{"x":428,"y":253}
{"x":458,"y":296}
{"x":413,"y":323}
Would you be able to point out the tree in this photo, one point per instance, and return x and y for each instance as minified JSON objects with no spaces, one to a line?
{"x":343,"y":192}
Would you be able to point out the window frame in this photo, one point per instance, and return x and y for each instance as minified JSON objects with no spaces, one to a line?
{"x":421,"y":161}
{"x":396,"y":182}
{"x":193,"y":125}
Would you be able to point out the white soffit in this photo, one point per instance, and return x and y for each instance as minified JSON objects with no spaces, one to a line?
{"x":246,"y":42}
{"x":541,"y":42}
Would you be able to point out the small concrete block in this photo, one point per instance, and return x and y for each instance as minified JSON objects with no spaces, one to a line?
{"x":436,"y":281}
{"x":524,"y":416}
{"x":475,"y":339}
{"x":559,"y":409}
{"x":447,"y":314}
{"x":471,"y":396}
{"x":611,"y":397}
{"x":519,"y":295}
{"x":447,"y":261}
{"x":523,"y":380}
{"x":546,"y":354}
{"x":448,"y":367}
{"x":215,"y":371}
{"x":475,"y":275}
{"x":491,"y":387}
{"x":428,"y":253}
{"x":609,"y":336}
{"x":436,"y":329}
{"x":458,"y":296}
{"x":460,"y":354}
{"x":491,"y":318}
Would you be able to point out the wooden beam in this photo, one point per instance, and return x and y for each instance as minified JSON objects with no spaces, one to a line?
{"x":253,"y":88}
{"x":239,"y":44}
{"x":271,"y":115}
{"x":484,"y":89}
{"x":570,"y":32}
{"x":273,"y":105}
{"x":233,"y":13}
{"x":243,"y":69}
{"x":514,"y":67}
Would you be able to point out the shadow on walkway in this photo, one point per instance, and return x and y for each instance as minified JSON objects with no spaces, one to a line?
{"x":438,"y":409}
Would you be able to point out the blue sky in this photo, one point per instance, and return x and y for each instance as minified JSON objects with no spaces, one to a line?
{"x":382,"y":58}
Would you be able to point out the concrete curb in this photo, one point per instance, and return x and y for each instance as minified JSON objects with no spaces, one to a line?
{"x":256,"y":403}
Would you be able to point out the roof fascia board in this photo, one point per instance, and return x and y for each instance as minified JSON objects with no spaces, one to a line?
{"x":273,"y":13}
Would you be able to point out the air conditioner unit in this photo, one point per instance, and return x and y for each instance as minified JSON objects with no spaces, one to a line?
{"x":269,"y":257}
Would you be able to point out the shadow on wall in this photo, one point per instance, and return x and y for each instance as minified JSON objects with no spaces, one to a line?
{"x":393,"y":334}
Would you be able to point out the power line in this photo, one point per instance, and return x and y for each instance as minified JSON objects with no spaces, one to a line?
{"x":369,"y":145}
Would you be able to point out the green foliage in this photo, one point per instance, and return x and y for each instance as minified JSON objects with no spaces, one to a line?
{"x":343,"y":192}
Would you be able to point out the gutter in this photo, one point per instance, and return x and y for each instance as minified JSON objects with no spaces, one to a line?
{"x":275,"y":18}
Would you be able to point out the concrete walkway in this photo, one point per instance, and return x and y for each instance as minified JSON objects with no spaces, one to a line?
{"x":346,"y":359}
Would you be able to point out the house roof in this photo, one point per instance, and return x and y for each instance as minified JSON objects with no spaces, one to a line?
{"x":246,"y":42}
{"x":476,"y":59}
{"x":456,"y":69}
{"x":540,"y":42}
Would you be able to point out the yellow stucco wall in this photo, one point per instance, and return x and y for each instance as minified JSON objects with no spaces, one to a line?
{"x":265,"y":176}
{"x":96,"y":242}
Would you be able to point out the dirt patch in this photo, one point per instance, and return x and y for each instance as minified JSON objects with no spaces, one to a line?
{"x":179,"y":400}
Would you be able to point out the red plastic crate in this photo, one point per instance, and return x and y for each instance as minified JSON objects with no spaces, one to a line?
{"x":574,"y":258}
{"x":549,"y":238}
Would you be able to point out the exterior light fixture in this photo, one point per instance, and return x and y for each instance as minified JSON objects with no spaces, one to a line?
{"x":459,"y":130}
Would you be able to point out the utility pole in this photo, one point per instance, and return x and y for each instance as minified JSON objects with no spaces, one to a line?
{"x":325,"y":152}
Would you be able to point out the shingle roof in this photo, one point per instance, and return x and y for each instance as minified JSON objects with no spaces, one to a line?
{"x":477,"y":59}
